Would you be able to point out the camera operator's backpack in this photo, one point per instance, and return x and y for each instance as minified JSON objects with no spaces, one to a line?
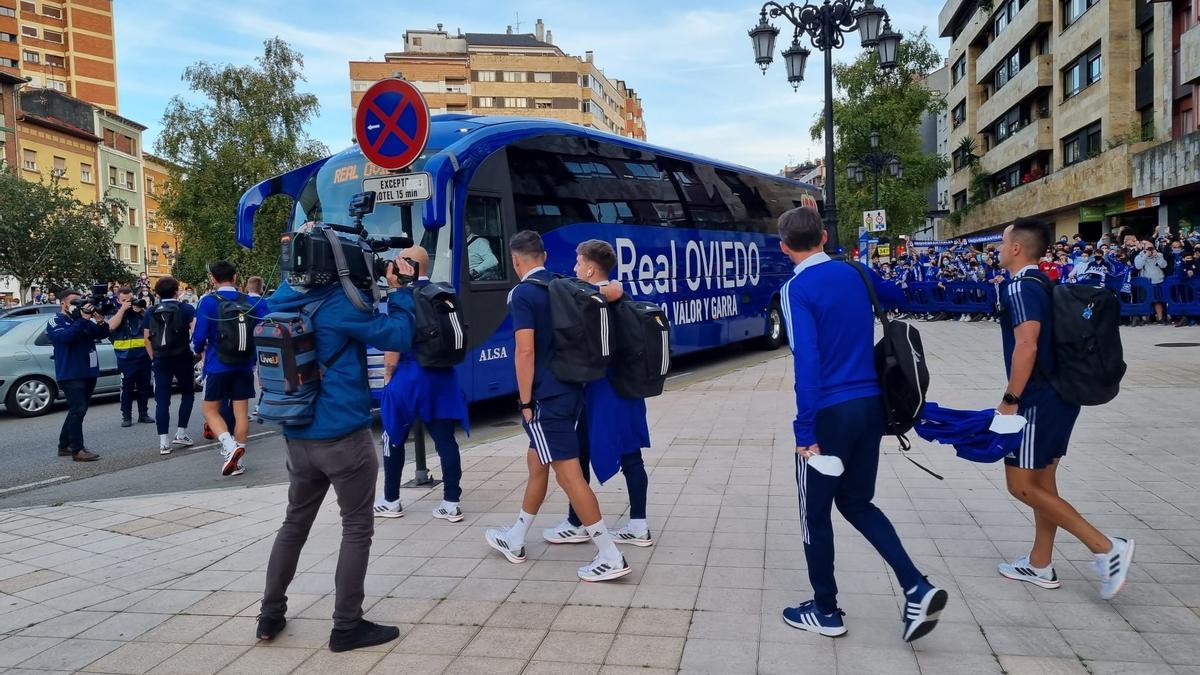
{"x":235,"y":330}
{"x":1086,"y":334}
{"x":440,"y":339}
{"x":289,"y":371}
{"x":582,"y":348}
{"x":641,"y":348}
{"x":169,"y":334}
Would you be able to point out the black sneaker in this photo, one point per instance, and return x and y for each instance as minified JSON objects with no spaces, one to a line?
{"x":365,"y":634}
{"x":269,"y":626}
{"x":145,"y":418}
{"x":126,"y":422}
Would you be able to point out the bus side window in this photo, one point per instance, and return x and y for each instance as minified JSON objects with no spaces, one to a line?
{"x":484,"y":239}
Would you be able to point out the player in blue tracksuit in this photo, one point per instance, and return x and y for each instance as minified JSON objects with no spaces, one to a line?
{"x":613,"y":429}
{"x":432,"y":395}
{"x":73,"y":332}
{"x":1026,"y":332}
{"x":839,"y":413}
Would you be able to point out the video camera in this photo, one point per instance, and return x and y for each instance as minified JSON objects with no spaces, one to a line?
{"x":311,"y":258}
{"x":96,"y":299}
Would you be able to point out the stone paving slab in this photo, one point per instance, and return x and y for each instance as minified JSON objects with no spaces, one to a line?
{"x":170,"y":583}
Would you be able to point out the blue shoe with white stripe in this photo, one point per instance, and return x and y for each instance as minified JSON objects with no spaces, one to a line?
{"x":922,"y":606}
{"x":806,"y":617}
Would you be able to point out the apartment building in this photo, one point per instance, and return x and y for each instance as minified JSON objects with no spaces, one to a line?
{"x":935,"y":140}
{"x":1049,"y":101}
{"x":162,"y":246}
{"x":65,"y":45}
{"x":506,"y":74}
{"x":120,"y":155}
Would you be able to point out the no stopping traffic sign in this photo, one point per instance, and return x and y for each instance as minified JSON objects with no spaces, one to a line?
{"x":392,"y":124}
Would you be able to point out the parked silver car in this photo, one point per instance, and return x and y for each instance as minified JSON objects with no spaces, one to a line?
{"x":27,"y":384}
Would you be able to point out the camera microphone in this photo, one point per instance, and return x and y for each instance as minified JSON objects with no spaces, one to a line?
{"x":385,"y":243}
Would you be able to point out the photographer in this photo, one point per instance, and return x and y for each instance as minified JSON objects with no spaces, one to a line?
{"x":337,"y":449}
{"x":74,"y":331}
{"x":126,"y":328}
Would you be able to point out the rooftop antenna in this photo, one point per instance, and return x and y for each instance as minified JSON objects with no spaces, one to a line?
{"x":517,"y":23}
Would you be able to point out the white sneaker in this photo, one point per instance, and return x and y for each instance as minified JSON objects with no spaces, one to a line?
{"x":1021,"y":570}
{"x":386,"y":509}
{"x":182,"y":439}
{"x":1113,"y":567}
{"x":164,"y":448}
{"x":604,"y":570}
{"x":565,"y":533}
{"x":446,"y":514}
{"x":628,"y":536}
{"x":230,"y":463}
{"x":498,"y":539}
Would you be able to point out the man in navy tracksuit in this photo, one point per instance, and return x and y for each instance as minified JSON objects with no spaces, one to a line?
{"x":133,"y":361}
{"x":839,"y":413}
{"x":73,"y":332}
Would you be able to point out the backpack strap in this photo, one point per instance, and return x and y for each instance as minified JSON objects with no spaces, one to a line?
{"x":875,"y":306}
{"x":310,"y":310}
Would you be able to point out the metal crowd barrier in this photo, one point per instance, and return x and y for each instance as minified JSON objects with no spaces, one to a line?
{"x":1182,"y":296}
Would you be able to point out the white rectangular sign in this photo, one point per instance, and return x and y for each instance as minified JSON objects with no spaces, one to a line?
{"x":398,"y":188}
{"x":875,"y":221}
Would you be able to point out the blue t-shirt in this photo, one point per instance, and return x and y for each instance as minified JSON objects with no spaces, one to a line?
{"x":204,"y":335}
{"x":1025,"y":299}
{"x":529,"y":305}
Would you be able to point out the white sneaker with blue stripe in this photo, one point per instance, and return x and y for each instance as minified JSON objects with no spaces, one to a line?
{"x":565,"y":533}
{"x":806,"y":617}
{"x":601,"y":569}
{"x":1021,"y":570}
{"x":499,"y":540}
{"x":1113,"y":567}
{"x":922,"y":606}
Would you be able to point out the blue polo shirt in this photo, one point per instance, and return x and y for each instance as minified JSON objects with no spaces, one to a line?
{"x":1022,"y":299}
{"x":204,"y":335}
{"x":529,"y":305}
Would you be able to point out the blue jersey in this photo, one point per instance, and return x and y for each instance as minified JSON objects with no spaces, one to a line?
{"x":529,"y":305}
{"x":1022,"y":299}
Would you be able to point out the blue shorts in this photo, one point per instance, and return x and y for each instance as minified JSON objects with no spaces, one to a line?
{"x":552,"y":431}
{"x":1049,"y":421}
{"x":233,"y":385}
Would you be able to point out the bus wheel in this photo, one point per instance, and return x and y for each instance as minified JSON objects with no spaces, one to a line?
{"x":775,"y":336}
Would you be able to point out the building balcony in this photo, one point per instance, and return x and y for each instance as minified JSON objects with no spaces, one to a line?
{"x":1167,"y":166}
{"x":1036,"y":136}
{"x":1035,"y":75}
{"x":1189,"y":55}
{"x":1034,"y":13}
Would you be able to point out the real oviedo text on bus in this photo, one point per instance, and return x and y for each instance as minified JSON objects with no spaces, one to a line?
{"x":694,"y":235}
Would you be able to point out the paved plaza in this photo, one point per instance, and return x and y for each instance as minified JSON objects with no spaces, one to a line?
{"x":170,"y":584}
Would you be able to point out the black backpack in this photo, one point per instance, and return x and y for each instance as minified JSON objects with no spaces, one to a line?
{"x":582,"y":348}
{"x":440,"y":340}
{"x":169,"y":334}
{"x":1086,"y":334}
{"x":900,"y":364}
{"x":235,"y":330}
{"x":641,"y":346}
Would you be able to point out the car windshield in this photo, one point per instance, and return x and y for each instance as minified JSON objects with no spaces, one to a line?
{"x":327,"y":195}
{"x":7,"y":325}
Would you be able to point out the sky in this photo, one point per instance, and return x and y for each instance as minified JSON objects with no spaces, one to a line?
{"x":691,"y":63}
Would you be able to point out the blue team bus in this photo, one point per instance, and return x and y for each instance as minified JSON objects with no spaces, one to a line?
{"x":692,"y":234}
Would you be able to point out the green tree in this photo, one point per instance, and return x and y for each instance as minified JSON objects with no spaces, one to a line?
{"x":892,"y":103}
{"x":248,"y":125}
{"x":53,"y":239}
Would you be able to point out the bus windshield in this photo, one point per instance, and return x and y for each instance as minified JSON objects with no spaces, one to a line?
{"x":326,"y":198}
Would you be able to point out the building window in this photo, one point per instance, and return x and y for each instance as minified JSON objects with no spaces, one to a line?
{"x":131,"y":143}
{"x":1147,"y":122}
{"x":8,"y":37}
{"x":149,"y":185}
{"x":129,"y":180}
{"x":133,"y":221}
{"x":1082,"y":72}
{"x":133,"y":253}
{"x":1081,"y":145}
{"x":112,"y":175}
{"x":1073,"y":9}
{"x":959,"y":114}
{"x":29,"y":161}
{"x":152,"y":219}
{"x":960,"y":200}
{"x":29,"y":31}
{"x":85,"y":173}
{"x":31,"y":57}
{"x":416,"y":42}
{"x":60,"y":167}
{"x":56,"y":61}
{"x":10,"y":63}
{"x":1006,"y":14}
{"x":514,"y":75}
{"x":1009,"y":123}
{"x":28,"y":7}
{"x":486,"y":76}
{"x":52,"y":36}
{"x":543,"y":103}
{"x":487,"y":102}
{"x":518,"y":102}
{"x":543,"y":77}
{"x":959,"y":70}
{"x":57,"y":85}
{"x":1147,"y":44}
{"x":1007,"y":70}
{"x":7,"y":11}
{"x":52,"y":12}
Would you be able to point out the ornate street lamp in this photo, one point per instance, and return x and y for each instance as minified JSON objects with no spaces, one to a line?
{"x":877,"y":162}
{"x":825,"y":25}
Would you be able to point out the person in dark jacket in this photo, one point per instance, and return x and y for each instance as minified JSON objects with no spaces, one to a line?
{"x":126,"y":329}
{"x":73,"y":332}
{"x":337,"y":449}
{"x":169,"y":322}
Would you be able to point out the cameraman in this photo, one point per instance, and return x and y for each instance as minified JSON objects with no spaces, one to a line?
{"x":126,"y":326}
{"x":74,"y":331}
{"x":337,"y":449}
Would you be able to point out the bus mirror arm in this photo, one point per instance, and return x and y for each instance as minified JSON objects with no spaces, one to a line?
{"x":441,"y":169}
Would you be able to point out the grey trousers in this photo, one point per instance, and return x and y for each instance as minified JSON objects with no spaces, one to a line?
{"x":350,"y":465}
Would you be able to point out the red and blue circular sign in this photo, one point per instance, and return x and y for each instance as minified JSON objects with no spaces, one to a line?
{"x":392,"y":124}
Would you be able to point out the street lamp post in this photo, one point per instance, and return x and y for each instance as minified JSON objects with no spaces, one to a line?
{"x":824,"y":24}
{"x":877,"y":162}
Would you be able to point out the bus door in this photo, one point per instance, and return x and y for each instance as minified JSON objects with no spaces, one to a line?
{"x":486,"y":276}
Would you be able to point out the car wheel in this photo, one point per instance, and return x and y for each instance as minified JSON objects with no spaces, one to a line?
{"x":31,"y":396}
{"x":775,"y":336}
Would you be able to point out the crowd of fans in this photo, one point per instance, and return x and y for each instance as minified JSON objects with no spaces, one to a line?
{"x":1112,"y":262}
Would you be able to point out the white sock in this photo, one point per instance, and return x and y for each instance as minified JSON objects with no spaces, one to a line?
{"x":603,"y":540}
{"x":638,"y":526}
{"x":449,"y":507}
{"x":1111,"y":550}
{"x":516,"y":533}
{"x":163,"y":440}
{"x":181,"y":431}
{"x":1042,"y":571}
{"x":227,"y":442}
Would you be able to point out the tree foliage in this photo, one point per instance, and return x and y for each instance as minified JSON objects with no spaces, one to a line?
{"x":892,"y":103}
{"x":53,"y":239}
{"x":248,"y":125}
